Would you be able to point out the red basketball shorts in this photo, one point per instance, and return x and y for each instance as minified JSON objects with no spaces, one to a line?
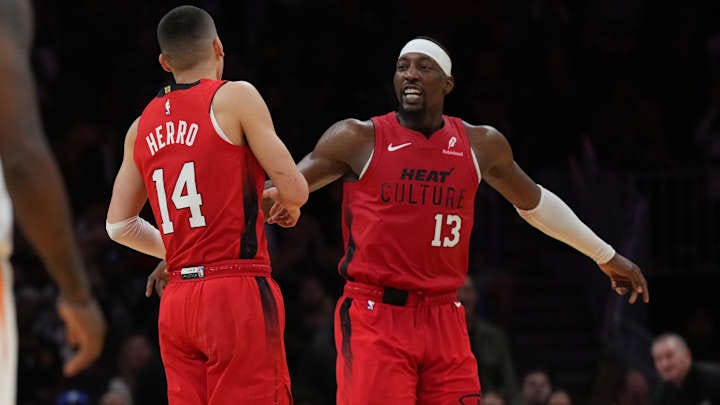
{"x":403,"y":349}
{"x":221,"y":341}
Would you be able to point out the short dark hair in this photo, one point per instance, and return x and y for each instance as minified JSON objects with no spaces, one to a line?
{"x":184,"y":34}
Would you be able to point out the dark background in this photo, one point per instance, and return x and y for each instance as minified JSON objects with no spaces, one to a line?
{"x":612,"y":104}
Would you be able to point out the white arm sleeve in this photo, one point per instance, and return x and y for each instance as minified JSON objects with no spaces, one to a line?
{"x":554,"y":218}
{"x":136,"y":233}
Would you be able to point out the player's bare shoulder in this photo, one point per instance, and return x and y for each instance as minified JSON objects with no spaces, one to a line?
{"x":132,"y":131}
{"x":238,"y":104}
{"x":350,"y":141}
{"x":229,"y":93}
{"x":489,"y":145}
{"x":352,"y":130}
{"x":483,"y":134}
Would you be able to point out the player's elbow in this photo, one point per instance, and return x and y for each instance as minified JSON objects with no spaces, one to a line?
{"x":117,"y":230}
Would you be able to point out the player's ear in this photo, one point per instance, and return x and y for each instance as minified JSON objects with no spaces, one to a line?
{"x":164,"y":63}
{"x":449,"y":85}
{"x":218,"y":47}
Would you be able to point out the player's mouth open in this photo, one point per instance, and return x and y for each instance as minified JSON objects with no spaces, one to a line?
{"x":412,"y":94}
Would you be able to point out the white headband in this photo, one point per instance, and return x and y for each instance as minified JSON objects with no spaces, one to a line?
{"x":430,"y":49}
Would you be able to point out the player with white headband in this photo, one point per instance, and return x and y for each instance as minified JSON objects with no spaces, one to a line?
{"x":410,"y":178}
{"x":431,"y":49}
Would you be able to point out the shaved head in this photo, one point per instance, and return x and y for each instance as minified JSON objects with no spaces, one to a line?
{"x":185,"y":35}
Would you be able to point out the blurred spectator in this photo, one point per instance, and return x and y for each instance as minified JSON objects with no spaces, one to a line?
{"x":490,"y":346}
{"x":490,"y":397}
{"x":684,"y":381}
{"x":536,"y":387}
{"x":134,"y":355}
{"x":114,"y":398}
{"x":633,"y":389}
{"x":700,"y":333}
{"x":150,"y":383}
{"x":559,"y":397}
{"x":617,"y":383}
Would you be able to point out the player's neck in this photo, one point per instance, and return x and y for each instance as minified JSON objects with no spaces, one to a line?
{"x":202,"y":71}
{"x":424,"y":122}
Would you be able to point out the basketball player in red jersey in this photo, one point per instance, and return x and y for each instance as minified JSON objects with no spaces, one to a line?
{"x":410,"y":179}
{"x":200,"y":152}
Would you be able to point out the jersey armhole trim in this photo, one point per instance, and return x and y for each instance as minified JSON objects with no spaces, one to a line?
{"x":367,"y":164}
{"x":218,"y":130}
{"x":475,"y":162}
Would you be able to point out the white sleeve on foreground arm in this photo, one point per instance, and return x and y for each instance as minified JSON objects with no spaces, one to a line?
{"x":554,"y":218}
{"x":136,"y":233}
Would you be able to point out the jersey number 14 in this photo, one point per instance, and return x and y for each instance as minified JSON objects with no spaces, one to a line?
{"x":191,"y":199}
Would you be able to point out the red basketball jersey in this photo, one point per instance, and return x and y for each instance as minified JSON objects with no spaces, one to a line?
{"x":205,"y":192}
{"x":407,"y":220}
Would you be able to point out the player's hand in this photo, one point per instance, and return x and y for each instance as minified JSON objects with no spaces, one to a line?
{"x":85,"y":330}
{"x":279,"y":214}
{"x":267,"y":202}
{"x":282,"y":216}
{"x":158,"y":278}
{"x":625,"y":276}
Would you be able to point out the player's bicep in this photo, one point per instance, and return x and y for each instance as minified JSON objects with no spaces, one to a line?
{"x":502,"y":173}
{"x":129,"y":194}
{"x":321,"y":169}
{"x":330,"y":158}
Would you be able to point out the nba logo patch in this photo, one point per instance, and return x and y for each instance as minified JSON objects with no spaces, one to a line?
{"x":167,"y":107}
{"x":371,"y":305}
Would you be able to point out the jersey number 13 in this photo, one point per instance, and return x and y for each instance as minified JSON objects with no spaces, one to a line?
{"x":453,"y":222}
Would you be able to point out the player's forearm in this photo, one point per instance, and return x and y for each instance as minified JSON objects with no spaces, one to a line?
{"x":43,"y":213}
{"x":554,"y":218}
{"x":292,"y":190}
{"x":137,"y":234}
{"x":31,"y":174}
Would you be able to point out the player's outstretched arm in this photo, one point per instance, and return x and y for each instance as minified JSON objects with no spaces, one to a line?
{"x":128,"y":198}
{"x":342,"y":150}
{"x":547,"y":212}
{"x":36,"y":188}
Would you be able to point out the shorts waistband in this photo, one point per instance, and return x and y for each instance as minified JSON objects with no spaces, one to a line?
{"x":397,"y":297}
{"x":206,"y":271}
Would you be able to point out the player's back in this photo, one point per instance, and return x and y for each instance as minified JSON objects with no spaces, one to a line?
{"x":204,"y":191}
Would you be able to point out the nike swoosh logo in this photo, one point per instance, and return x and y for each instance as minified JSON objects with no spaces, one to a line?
{"x":392,"y":148}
